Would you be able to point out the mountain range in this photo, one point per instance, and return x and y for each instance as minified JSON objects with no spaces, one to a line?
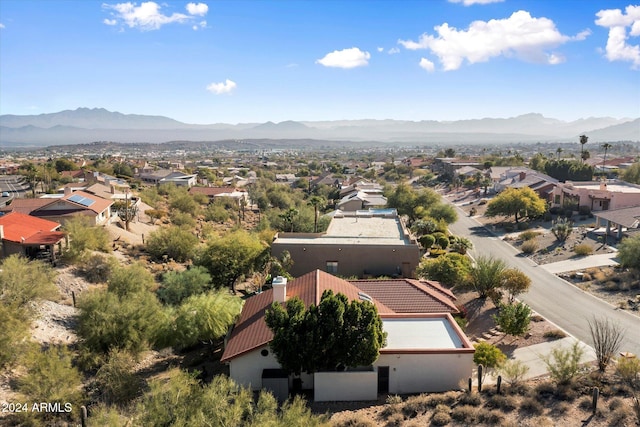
{"x":86,"y":125}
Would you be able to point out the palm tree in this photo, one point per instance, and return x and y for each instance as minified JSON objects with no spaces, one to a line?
{"x":317,"y":202}
{"x":289,"y":215}
{"x":583,"y":140}
{"x":606,"y":147}
{"x":558,"y":151}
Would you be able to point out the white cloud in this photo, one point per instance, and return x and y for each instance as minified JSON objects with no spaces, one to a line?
{"x":199,"y":9}
{"x":555,"y":58}
{"x":346,"y":58}
{"x":223,"y":87}
{"x":201,"y":24}
{"x":617,"y":47}
{"x":472,"y":2}
{"x":393,"y":51}
{"x":1,"y":25}
{"x":148,"y":16}
{"x":520,"y":35}
{"x":427,"y":65}
{"x":380,"y":49}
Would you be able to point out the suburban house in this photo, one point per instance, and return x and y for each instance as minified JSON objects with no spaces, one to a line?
{"x":504,"y":177}
{"x":596,"y":195}
{"x":35,"y":238}
{"x":166,"y":176}
{"x":216,"y":192}
{"x":59,"y":209}
{"x":624,"y":219}
{"x":362,"y":199}
{"x":426,"y":350}
{"x":365,"y":243}
{"x":449,"y":165}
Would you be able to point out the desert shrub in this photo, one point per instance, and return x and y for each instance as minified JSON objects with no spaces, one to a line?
{"x":488,"y":355}
{"x":586,"y":277}
{"x":529,"y":235}
{"x":443,"y":242}
{"x":96,"y":268}
{"x":115,"y":379}
{"x":505,"y":403}
{"x":173,"y":242}
{"x":583,"y":249}
{"x":427,"y":241}
{"x":561,"y":408}
{"x":216,"y":213}
{"x":555,"y":334}
{"x":562,"y":229}
{"x":131,"y":279}
{"x":513,"y":371}
{"x":615,"y":403}
{"x":465,"y":414}
{"x":628,"y":250}
{"x":544,"y":389}
{"x":619,"y":416}
{"x":563,"y":364}
{"x":628,"y":369}
{"x":180,"y":285}
{"x":491,"y":417}
{"x":529,"y":247}
{"x":607,"y":338}
{"x":354,"y":420}
{"x":584,"y":210}
{"x":585,"y":403}
{"x":395,"y":420}
{"x":523,"y":226}
{"x":440,"y":418}
{"x":513,"y":319}
{"x":462,"y":322}
{"x":393,"y":399}
{"x":531,"y":406}
{"x":51,"y":378}
{"x":84,"y":236}
{"x":471,"y":399}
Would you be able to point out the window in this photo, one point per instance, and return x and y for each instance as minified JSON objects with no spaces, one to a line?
{"x":332,"y":267}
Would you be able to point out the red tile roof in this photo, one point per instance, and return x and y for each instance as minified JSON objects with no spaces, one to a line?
{"x":409,"y":295}
{"x":26,"y":206}
{"x":389,"y":296}
{"x":21,"y":228}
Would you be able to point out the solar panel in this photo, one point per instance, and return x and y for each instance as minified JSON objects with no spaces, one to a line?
{"x":84,"y":201}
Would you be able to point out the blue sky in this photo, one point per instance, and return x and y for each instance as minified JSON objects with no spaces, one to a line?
{"x":255,"y":61}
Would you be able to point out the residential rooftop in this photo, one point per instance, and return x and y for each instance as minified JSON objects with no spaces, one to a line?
{"x":419,"y":332}
{"x":612,"y":186}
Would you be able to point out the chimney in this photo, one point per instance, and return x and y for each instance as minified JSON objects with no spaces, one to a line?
{"x":1,"y":232}
{"x":279,"y":286}
{"x":67,"y":190}
{"x":523,"y":175}
{"x":603,"y":185}
{"x":113,"y":188}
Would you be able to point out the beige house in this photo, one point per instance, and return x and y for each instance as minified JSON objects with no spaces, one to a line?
{"x":359,"y":243}
{"x":597,"y":195}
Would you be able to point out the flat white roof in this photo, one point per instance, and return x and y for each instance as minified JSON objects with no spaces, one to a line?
{"x":420,"y":334}
{"x":613,"y":187}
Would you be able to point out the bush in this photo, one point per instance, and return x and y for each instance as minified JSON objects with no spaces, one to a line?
{"x":554,"y":334}
{"x":173,"y":242}
{"x":505,"y":403}
{"x":488,"y":355}
{"x":523,"y":226}
{"x":564,"y":364}
{"x":528,"y":235}
{"x":531,"y":406}
{"x":427,"y":241}
{"x":97,"y":268}
{"x":115,"y":379}
{"x":465,"y":414}
{"x":180,"y":285}
{"x":529,"y":247}
{"x":513,"y":319}
{"x":583,"y":249}
{"x":628,"y":369}
{"x":628,"y":251}
{"x":440,"y":418}
{"x":513,"y":371}
{"x":562,"y":229}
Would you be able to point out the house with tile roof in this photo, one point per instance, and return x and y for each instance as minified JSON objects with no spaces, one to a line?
{"x":60,"y":209}
{"x":426,"y":350}
{"x":364,"y":243}
{"x":596,"y":195}
{"x":34,"y":238}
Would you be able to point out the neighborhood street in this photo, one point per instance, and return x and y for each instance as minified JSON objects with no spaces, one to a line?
{"x":558,"y":301}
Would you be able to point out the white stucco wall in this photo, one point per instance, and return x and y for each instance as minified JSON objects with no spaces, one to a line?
{"x":345,"y":386}
{"x":430,"y":372}
{"x":247,"y":369}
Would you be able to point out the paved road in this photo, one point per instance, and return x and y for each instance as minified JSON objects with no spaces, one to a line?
{"x":553,"y":298}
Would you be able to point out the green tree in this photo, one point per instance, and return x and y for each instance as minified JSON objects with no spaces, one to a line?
{"x":116,"y":380}
{"x":107,"y":322}
{"x":515,"y":282}
{"x":450,"y":269}
{"x":606,"y":147}
{"x":486,"y":276}
{"x":628,"y":251}
{"x":334,"y":333}
{"x":443,"y":211}
{"x":65,"y":165}
{"x":488,"y":355}
{"x":632,"y":174}
{"x":564,"y":364}
{"x":289,"y":216}
{"x":520,"y":202}
{"x":583,"y":140}
{"x":180,"y":285}
{"x":85,"y":236}
{"x":205,"y":317}
{"x":176,"y":243}
{"x":513,"y":319}
{"x":131,"y":279}
{"x":232,"y":256}
{"x":184,"y":203}
{"x":461,"y":245}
